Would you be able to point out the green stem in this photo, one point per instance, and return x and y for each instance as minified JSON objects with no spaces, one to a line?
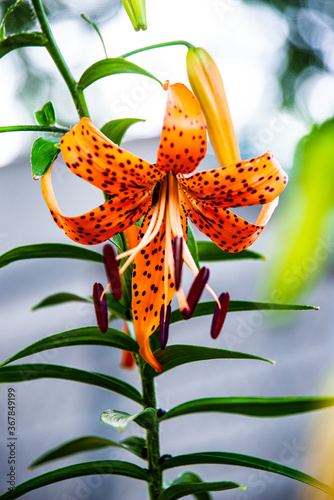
{"x":152,"y":435}
{"x":157,"y":46}
{"x":34,"y":128}
{"x":53,"y":49}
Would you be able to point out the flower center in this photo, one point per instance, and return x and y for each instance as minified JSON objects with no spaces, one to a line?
{"x":166,"y":209}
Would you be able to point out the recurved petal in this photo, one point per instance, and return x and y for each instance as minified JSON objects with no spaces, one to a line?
{"x":183,"y":140}
{"x":91,"y":155}
{"x":148,"y":290}
{"x":252,"y":182}
{"x":102,"y":222}
{"x":227,"y":230}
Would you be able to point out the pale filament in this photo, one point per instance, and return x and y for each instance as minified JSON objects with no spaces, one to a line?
{"x":150,"y":233}
{"x":168,"y":261}
{"x":177,"y":231}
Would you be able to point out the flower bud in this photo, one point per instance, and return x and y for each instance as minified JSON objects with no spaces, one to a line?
{"x":136,"y":11}
{"x":207,"y":84}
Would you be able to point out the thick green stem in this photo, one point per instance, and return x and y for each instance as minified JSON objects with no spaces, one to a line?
{"x":53,"y":49}
{"x":34,"y":128}
{"x":158,"y":46}
{"x":152,"y":436}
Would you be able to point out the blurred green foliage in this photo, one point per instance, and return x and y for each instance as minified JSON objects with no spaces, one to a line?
{"x":308,"y":44}
{"x":306,"y":238}
{"x":31,"y":84}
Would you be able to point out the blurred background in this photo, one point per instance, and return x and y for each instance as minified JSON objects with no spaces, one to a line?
{"x":277,"y":61}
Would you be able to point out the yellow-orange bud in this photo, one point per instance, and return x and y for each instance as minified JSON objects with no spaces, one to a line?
{"x":136,"y":11}
{"x":207,"y":84}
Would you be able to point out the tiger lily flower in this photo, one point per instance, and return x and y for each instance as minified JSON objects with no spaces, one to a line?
{"x":163,"y":194}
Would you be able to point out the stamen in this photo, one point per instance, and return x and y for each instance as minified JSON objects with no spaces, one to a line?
{"x":178,"y":260}
{"x":196,"y":290}
{"x":164,"y":325}
{"x":151,"y":232}
{"x":100,"y":306}
{"x":220,"y":314}
{"x":112,"y":271}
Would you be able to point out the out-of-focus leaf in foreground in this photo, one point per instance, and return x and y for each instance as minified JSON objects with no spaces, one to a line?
{"x":305,"y":242}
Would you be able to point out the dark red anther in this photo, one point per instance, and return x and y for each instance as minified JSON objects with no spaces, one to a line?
{"x":195,"y":291}
{"x":164,"y":325}
{"x":178,"y":260}
{"x":100,"y":306}
{"x":112,"y":271}
{"x":220,"y":314}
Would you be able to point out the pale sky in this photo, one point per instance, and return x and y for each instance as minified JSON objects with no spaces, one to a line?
{"x":246,"y":42}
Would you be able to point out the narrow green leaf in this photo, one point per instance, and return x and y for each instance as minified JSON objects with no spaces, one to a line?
{"x":89,"y":335}
{"x":193,"y":246}
{"x":89,"y":443}
{"x":303,"y":243}
{"x":115,"y":129}
{"x":116,"y":467}
{"x":117,"y":240}
{"x":207,"y":308}
{"x":244,"y":305}
{"x":177,"y":355}
{"x":189,"y":478}
{"x":209,"y":252}
{"x":59,"y":298}
{"x":47,"y":115}
{"x":108,"y":67}
{"x":43,"y":153}
{"x":97,"y":31}
{"x":34,"y":371}
{"x":251,"y":406}
{"x":117,"y":308}
{"x":225,"y":458}
{"x":195,"y":488}
{"x":12,"y":42}
{"x":5,"y":17}
{"x":120,"y":419}
{"x":50,"y":250}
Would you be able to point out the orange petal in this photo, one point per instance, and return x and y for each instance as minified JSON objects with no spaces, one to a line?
{"x":102,"y":222}
{"x":253,"y":182}
{"x":127,"y":360}
{"x":148,"y":291}
{"x":227,"y":230}
{"x":183,"y":140}
{"x":132,"y":236}
{"x":146,"y":353}
{"x":91,"y":155}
